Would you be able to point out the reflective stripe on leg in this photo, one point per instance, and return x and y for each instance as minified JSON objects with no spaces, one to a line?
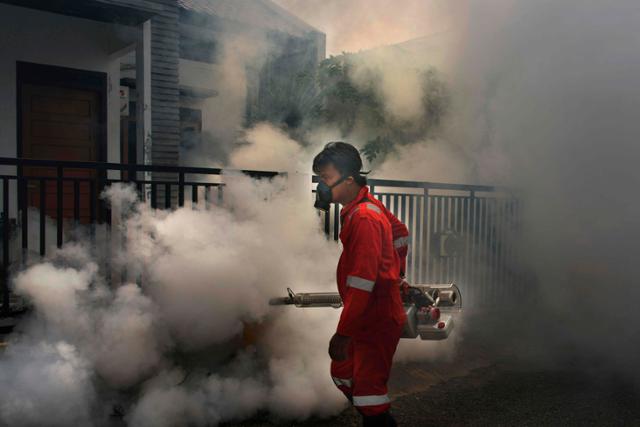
{"x":371,"y":400}
{"x":360,"y":283}
{"x":346,"y":382}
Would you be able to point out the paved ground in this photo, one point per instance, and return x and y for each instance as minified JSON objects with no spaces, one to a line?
{"x":489,"y":383}
{"x":506,"y":396}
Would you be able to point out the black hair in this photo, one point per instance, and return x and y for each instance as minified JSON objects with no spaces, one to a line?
{"x":345,"y":157}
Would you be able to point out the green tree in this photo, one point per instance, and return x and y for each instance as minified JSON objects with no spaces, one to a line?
{"x":341,"y":103}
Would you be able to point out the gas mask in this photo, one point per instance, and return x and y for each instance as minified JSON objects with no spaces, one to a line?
{"x":324,"y":196}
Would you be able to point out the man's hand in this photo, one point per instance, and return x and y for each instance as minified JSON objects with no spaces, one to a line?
{"x":338,"y":347}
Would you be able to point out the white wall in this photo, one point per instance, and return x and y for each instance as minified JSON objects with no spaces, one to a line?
{"x":52,"y":39}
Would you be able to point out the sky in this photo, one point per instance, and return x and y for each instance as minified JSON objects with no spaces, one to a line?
{"x":353,"y":25}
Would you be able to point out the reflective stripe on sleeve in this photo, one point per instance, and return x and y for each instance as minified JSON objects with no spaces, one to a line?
{"x":369,"y":206}
{"x":401,"y":241}
{"x":360,"y":283}
{"x":373,"y":208}
{"x":370,"y":400}
{"x":346,"y":382}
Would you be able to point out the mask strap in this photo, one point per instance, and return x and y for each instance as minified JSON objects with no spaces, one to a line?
{"x":340,"y":181}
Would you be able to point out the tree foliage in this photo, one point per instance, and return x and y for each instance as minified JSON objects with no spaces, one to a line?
{"x":329,"y":96}
{"x":343,"y":104}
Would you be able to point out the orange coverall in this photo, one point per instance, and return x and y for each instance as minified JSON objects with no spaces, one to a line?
{"x":374,"y":252}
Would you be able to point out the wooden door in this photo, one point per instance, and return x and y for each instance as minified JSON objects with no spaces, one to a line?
{"x":60,"y":124}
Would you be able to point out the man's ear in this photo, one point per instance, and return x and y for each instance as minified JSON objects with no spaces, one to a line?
{"x":349,"y":180}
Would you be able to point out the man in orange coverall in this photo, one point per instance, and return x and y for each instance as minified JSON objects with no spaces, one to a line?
{"x":369,"y":271}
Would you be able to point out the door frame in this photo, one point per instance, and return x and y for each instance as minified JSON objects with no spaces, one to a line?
{"x":67,"y":78}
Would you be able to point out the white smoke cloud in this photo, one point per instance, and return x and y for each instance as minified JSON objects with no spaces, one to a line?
{"x":430,"y":160}
{"x":364,"y":24}
{"x":207,"y":276}
{"x":544,"y":96}
{"x":129,"y":343}
{"x":62,"y":309}
{"x":45,"y":384}
{"x":268,"y":148}
{"x":399,"y":76}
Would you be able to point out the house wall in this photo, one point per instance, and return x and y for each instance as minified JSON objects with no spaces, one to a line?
{"x":51,"y":39}
{"x":47,"y":38}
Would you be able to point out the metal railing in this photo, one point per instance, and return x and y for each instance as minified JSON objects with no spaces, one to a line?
{"x":467,"y":234}
{"x":67,"y":193}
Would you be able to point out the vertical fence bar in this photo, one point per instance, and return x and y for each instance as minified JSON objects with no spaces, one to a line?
{"x":181,"y":189}
{"x":495,"y":248}
{"x":396,"y":206}
{"x":99,"y":207}
{"x":43,"y":218}
{"x":194,"y":195}
{"x":485,"y":247}
{"x":482,"y":267}
{"x":6,"y":229}
{"x":436,"y":244}
{"x":207,"y":196}
{"x":439,"y":228}
{"x":421,"y":250}
{"x":327,"y":223}
{"x":154,"y":195}
{"x":496,"y":245}
{"x":220,"y":194}
{"x":426,"y":243}
{"x":480,"y":250}
{"x":167,"y":195}
{"x":448,"y":226}
{"x":23,"y":186}
{"x":460,"y":230}
{"x":409,"y":267}
{"x":455,"y":216}
{"x":429,"y":224}
{"x":488,"y":249}
{"x":464,"y":275}
{"x":434,"y":258}
{"x":93,"y":203}
{"x":76,"y":201}
{"x":470,"y":239}
{"x":404,"y":218}
{"x":60,"y":201}
{"x":475,"y":246}
{"x":415,"y":238}
{"x":336,"y":222}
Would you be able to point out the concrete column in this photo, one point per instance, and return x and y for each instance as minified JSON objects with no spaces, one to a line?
{"x":143,"y":87}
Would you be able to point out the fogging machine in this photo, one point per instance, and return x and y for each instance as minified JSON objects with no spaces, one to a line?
{"x":429,"y":308}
